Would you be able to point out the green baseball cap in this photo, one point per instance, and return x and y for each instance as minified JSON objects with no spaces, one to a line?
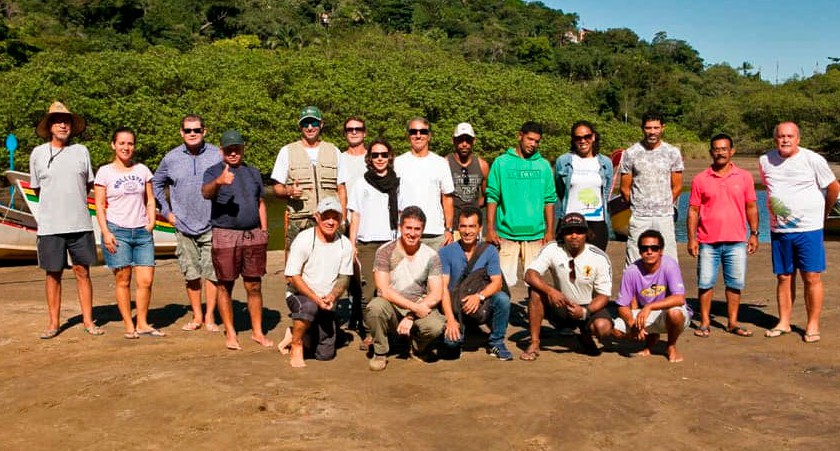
{"x":310,"y":112}
{"x":232,"y":138}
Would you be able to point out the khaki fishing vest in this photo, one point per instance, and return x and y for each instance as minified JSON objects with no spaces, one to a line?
{"x":317,"y":182}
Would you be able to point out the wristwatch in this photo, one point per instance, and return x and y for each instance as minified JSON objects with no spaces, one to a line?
{"x":481,"y":297}
{"x":450,"y":230}
{"x":754,"y":232}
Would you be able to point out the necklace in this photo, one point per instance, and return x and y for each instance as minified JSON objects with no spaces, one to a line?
{"x":53,"y":155}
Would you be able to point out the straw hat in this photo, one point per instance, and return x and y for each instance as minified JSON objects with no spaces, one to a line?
{"x":77,"y":123}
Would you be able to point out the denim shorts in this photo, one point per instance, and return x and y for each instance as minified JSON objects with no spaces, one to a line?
{"x":804,"y":251}
{"x":733,"y":258}
{"x":135,"y":247}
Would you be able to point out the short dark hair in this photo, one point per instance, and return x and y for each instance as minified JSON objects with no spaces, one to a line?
{"x":192,"y":117}
{"x":718,"y":137}
{"x":531,"y":127}
{"x":122,"y":130}
{"x":413,"y":212}
{"x":651,"y":233}
{"x":596,"y":144}
{"x":418,"y":119}
{"x":381,"y":142}
{"x":651,"y":116}
{"x":357,"y":119}
{"x":470,"y":210}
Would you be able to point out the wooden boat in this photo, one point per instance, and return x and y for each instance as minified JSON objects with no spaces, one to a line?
{"x":619,"y":208}
{"x":18,"y":226}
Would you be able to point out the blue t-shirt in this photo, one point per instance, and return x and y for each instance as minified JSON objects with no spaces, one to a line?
{"x":454,"y":262}
{"x":236,"y":206}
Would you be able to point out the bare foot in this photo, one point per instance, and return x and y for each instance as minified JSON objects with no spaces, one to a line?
{"x":296,"y":360}
{"x":263,"y":340}
{"x":284,"y":344}
{"x":643,"y":353}
{"x":673,"y":355}
{"x":232,"y":343}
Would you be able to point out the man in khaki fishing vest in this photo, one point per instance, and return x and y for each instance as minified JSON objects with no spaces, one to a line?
{"x":307,"y":171}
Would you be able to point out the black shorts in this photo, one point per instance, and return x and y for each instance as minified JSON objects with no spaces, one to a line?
{"x":53,"y":249}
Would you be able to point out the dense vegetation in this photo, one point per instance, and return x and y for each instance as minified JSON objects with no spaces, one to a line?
{"x":252,"y":64}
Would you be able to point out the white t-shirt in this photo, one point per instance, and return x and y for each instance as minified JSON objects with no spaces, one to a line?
{"x":280,"y":173}
{"x":422,"y":182}
{"x":126,"y":194}
{"x":794,"y":199}
{"x":354,"y":167}
{"x":316,"y":262}
{"x":593,"y":273}
{"x":585,"y":191}
{"x":374,"y":217}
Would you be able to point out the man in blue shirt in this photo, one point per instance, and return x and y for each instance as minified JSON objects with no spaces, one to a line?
{"x":490,"y":304}
{"x":182,"y":171}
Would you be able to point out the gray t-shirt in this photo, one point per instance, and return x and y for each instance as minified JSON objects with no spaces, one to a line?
{"x":650,"y":194}
{"x":63,"y":175}
{"x":409,"y":277}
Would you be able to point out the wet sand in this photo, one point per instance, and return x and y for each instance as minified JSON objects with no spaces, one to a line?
{"x":186,"y":390}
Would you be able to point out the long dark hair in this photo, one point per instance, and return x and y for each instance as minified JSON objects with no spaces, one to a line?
{"x":369,"y":160}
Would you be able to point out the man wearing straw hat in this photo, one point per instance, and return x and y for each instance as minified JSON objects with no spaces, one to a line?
{"x":61,"y":175}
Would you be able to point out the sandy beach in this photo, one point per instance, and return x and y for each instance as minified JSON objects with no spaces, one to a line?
{"x":186,"y":390}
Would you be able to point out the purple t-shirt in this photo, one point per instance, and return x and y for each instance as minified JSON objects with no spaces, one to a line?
{"x":125,"y":192}
{"x":647,"y":288}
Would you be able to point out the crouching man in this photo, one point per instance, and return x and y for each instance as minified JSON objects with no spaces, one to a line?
{"x":652,"y":298}
{"x":584,"y":282}
{"x":409,"y":286}
{"x":318,"y":270}
{"x":472,"y":287}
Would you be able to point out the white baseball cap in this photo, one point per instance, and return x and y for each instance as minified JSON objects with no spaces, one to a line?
{"x":463,"y":129}
{"x":328,"y":204}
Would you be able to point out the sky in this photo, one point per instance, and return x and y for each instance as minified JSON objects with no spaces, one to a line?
{"x":798,"y":36}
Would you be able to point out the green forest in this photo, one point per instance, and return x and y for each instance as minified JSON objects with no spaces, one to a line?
{"x":252,"y":64}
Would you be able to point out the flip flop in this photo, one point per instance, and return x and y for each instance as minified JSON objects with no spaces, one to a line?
{"x":152,"y":333}
{"x":191,"y":326}
{"x":365,"y":343}
{"x":703,"y":332}
{"x":286,"y":342}
{"x":812,"y":337}
{"x":235,"y":347}
{"x":95,"y":331}
{"x":212,"y":327}
{"x":265,"y":342}
{"x":529,"y":356}
{"x":131,"y":335}
{"x":48,"y":334}
{"x":740,"y":331}
{"x":773,"y":333}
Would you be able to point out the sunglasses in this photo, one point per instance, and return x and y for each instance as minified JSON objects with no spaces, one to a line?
{"x":464,"y":138}
{"x":585,"y":137}
{"x":466,"y":177}
{"x":652,"y":247}
{"x":314,"y":123}
{"x":187,"y":131}
{"x":354,"y":130}
{"x":375,"y":155}
{"x":572,"y":275}
{"x":414,"y":131}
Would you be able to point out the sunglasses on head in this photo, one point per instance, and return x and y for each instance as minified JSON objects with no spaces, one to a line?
{"x":375,"y":155}
{"x":354,"y":129}
{"x":585,"y":137}
{"x":414,"y":131}
{"x":572,"y":275}
{"x":652,"y":247}
{"x":187,"y":131}
{"x":314,"y":123}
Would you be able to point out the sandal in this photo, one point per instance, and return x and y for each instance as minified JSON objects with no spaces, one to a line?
{"x":773,"y":333}
{"x":191,"y":326}
{"x":812,"y":337}
{"x":48,"y":334}
{"x":131,"y":335}
{"x":529,"y":356}
{"x":703,"y":332}
{"x":740,"y":331}
{"x":152,"y":333}
{"x":212,"y":327}
{"x":95,"y":330}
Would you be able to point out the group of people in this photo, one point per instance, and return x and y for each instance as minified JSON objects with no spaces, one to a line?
{"x":428,"y":246}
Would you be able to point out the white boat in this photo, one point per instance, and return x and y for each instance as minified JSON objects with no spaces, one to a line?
{"x":18,"y":227}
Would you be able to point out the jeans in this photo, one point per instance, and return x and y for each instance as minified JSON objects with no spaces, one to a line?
{"x":733,"y":258}
{"x":499,"y":317}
